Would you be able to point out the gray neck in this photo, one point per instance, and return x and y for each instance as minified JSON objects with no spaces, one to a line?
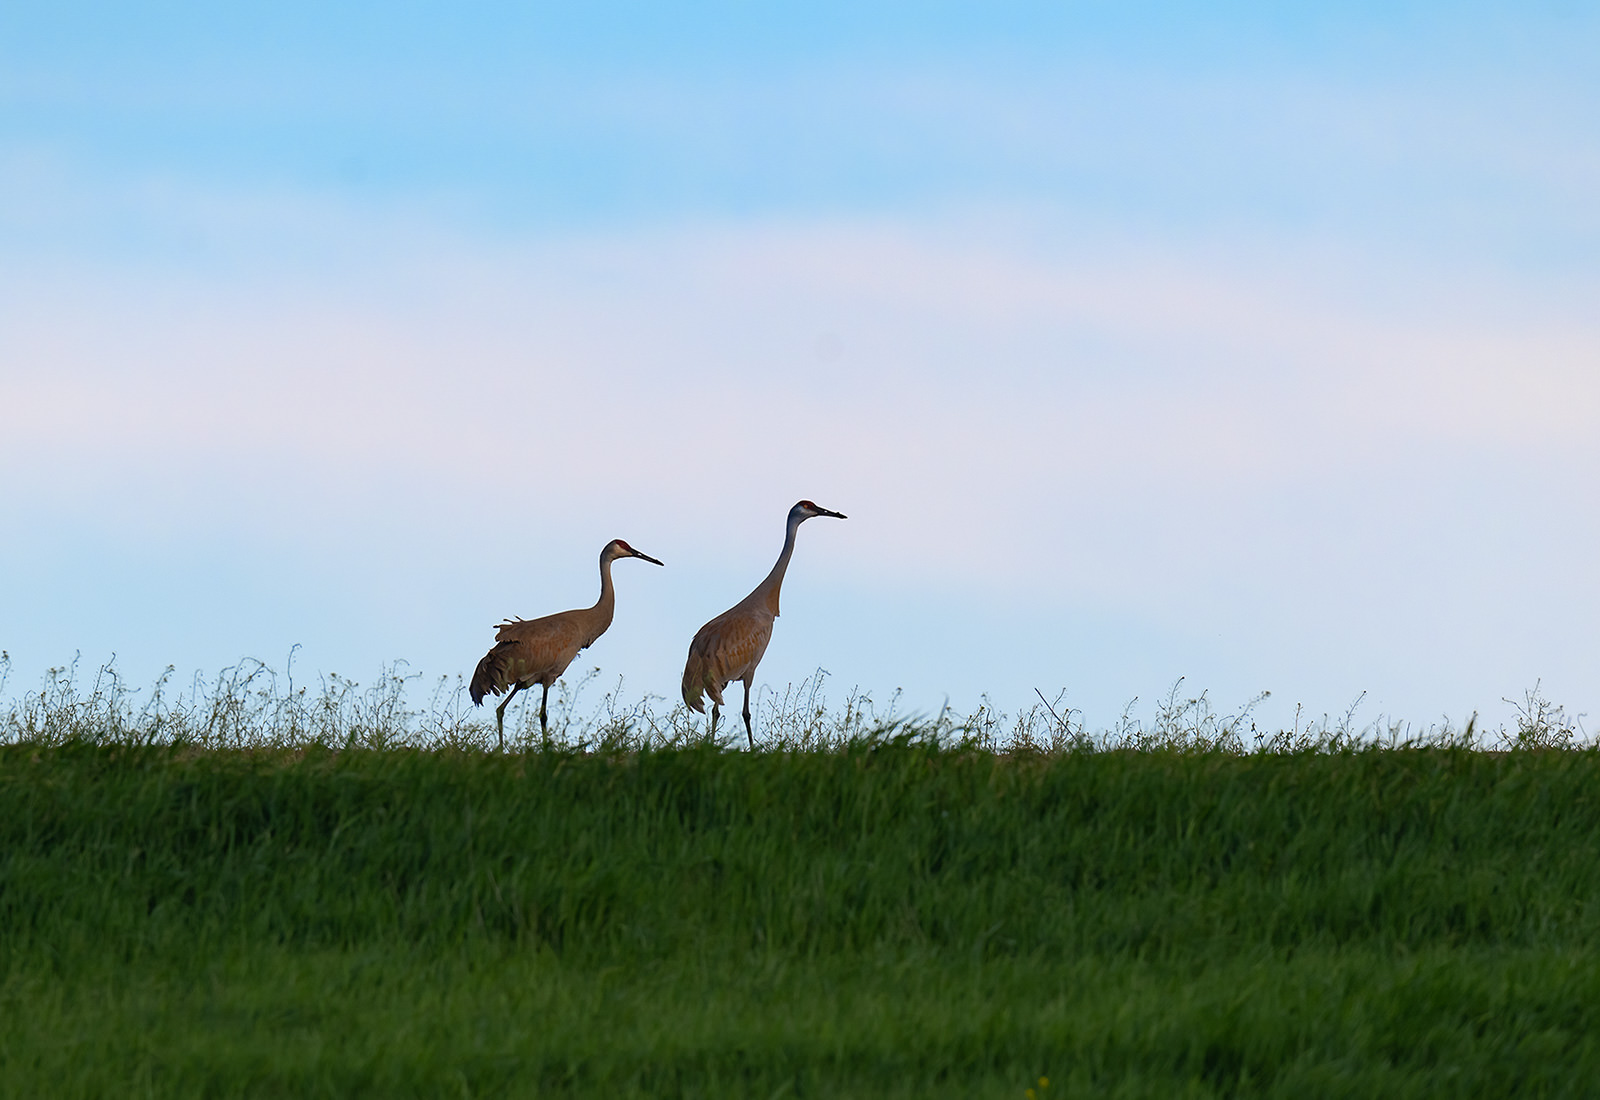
{"x":769,"y":587}
{"x":606,"y":605}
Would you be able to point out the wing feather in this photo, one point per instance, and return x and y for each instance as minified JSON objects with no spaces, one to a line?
{"x":530,"y":651}
{"x":726,"y":649}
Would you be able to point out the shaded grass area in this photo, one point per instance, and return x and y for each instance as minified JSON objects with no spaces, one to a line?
{"x":894,"y":917}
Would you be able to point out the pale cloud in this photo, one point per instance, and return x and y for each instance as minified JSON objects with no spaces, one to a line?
{"x":951,"y":367}
{"x":1071,"y":458}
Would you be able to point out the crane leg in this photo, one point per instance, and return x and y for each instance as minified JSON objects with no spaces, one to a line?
{"x":500,"y":715}
{"x":544,"y":722}
{"x":716,"y":712}
{"x":747,"y":733}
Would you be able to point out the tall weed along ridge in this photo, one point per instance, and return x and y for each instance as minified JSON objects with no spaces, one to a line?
{"x":252,"y":705}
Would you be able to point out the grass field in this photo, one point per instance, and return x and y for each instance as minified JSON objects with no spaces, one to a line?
{"x":890,"y":914}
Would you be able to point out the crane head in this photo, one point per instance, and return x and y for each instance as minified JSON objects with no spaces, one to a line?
{"x":616,"y":548}
{"x":806,"y":509}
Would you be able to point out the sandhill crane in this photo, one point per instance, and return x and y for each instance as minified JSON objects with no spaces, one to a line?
{"x":729,"y":647}
{"x":538,"y":651}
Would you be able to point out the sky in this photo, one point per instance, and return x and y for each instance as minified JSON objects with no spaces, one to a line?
{"x":1251,"y":344}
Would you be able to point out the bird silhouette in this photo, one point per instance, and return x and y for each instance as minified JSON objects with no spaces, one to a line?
{"x":538,"y":651}
{"x":729,"y":647}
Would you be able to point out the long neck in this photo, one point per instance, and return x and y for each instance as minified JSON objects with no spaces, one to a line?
{"x":767,"y":591}
{"x":606,"y":606}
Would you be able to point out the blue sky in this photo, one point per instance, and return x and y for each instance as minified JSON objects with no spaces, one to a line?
{"x":1254,"y":346}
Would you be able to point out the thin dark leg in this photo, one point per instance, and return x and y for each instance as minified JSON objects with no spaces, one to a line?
{"x":500,"y":714}
{"x":747,"y":732}
{"x":544,"y":723}
{"x":716,"y":712}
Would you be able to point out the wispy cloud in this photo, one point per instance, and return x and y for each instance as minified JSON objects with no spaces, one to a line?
{"x":753,"y":353}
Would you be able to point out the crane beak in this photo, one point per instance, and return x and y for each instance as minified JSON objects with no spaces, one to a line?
{"x":835,"y":515}
{"x":647,"y":558}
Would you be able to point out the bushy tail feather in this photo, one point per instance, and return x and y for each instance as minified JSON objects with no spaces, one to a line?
{"x":489,"y":678}
{"x":694,"y":682}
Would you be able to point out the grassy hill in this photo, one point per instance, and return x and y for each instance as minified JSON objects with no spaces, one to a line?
{"x":892,"y":916}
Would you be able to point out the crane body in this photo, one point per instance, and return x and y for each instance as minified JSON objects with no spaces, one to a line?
{"x":538,"y":651}
{"x":730,"y":646}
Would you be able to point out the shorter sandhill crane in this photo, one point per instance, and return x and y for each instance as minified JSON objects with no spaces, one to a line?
{"x":538,"y":651}
{"x":729,"y":647}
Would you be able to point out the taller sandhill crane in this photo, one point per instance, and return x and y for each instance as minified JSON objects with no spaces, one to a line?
{"x":538,"y":651}
{"x":729,"y":647}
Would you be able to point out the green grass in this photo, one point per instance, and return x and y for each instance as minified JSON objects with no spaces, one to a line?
{"x":890,"y":917}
